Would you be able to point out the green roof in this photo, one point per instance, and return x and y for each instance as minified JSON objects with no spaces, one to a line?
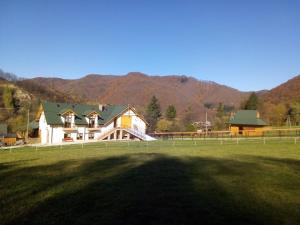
{"x":53,"y":111}
{"x":247,"y":117}
{"x":110,"y":112}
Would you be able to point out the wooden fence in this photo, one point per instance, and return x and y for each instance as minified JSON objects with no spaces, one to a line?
{"x":292,"y":132}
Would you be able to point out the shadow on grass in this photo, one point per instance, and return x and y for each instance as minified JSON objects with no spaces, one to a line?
{"x":145,"y":189}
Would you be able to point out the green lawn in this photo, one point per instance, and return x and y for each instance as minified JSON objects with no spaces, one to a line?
{"x":164,"y":182}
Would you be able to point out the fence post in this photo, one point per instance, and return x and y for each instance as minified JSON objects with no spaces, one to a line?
{"x":264,"y":140}
{"x":82,"y":145}
{"x":295,"y":140}
{"x":237,"y":140}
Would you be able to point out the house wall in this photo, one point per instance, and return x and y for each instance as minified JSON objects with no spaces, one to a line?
{"x":234,"y":130}
{"x":136,"y":122}
{"x":56,"y":134}
{"x":43,"y":127}
{"x":246,"y":130}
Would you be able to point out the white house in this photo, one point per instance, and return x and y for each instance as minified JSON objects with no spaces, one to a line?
{"x":61,"y":122}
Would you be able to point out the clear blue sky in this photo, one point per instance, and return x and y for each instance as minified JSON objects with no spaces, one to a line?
{"x":249,"y":45}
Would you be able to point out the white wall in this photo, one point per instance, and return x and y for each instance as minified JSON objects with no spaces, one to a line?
{"x":43,"y":127}
{"x":136,"y":122}
{"x":57,"y":136}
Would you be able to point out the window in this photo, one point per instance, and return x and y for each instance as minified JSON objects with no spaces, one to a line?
{"x":68,"y":120}
{"x":92,"y":122}
{"x":67,"y":135}
{"x":79,"y":136}
{"x":91,"y":136}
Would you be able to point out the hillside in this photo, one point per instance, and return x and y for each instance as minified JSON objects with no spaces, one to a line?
{"x":186,"y":93}
{"x":287,"y":92}
{"x":189,"y":95}
{"x":16,"y":97}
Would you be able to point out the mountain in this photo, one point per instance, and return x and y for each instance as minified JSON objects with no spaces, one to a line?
{"x":190,"y":96}
{"x":186,"y":93}
{"x":287,"y":92}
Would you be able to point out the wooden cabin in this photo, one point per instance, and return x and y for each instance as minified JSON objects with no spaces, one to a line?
{"x":247,"y":123}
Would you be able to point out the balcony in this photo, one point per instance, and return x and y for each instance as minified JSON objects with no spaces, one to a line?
{"x":93,"y":127}
{"x":69,"y":127}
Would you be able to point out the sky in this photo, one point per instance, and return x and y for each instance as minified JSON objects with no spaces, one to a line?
{"x":248,"y":45}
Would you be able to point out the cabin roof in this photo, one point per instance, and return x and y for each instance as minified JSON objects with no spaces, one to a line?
{"x":247,"y":117}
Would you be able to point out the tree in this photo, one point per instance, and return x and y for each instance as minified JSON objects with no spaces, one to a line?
{"x":275,"y":114}
{"x":190,"y":128}
{"x":164,"y":125}
{"x":208,"y":105}
{"x":251,"y":103}
{"x":221,"y":118}
{"x":171,"y":112}
{"x":294,"y":113}
{"x":153,"y":113}
{"x":220,"y":110}
{"x":7,"y":97}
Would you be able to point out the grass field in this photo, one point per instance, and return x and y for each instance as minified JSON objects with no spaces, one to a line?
{"x":164,"y":182}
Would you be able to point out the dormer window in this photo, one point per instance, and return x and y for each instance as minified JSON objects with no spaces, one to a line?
{"x":68,"y":121}
{"x":92,"y":119}
{"x":68,"y":117}
{"x":92,"y":122}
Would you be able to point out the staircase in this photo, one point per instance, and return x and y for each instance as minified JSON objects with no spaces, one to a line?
{"x":135,"y":133}
{"x":139,"y":135}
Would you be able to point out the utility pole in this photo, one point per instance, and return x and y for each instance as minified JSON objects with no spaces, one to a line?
{"x":27,"y":127}
{"x":288,"y":121}
{"x":206,"y":123}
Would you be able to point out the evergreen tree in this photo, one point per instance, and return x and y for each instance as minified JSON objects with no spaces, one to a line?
{"x":153,"y":113}
{"x":171,"y":112}
{"x":252,"y":102}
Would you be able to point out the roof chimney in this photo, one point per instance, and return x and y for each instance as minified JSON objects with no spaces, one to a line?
{"x":101,"y":107}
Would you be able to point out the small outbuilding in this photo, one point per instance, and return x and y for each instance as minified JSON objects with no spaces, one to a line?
{"x":6,"y":138}
{"x":247,"y":123}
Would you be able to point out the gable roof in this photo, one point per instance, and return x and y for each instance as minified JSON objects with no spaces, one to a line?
{"x":110,"y":112}
{"x":53,"y":111}
{"x":247,"y":117}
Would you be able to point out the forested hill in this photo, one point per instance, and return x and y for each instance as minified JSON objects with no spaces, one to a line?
{"x":17,"y":97}
{"x":191,"y":97}
{"x":287,"y":92}
{"x":185,"y":93}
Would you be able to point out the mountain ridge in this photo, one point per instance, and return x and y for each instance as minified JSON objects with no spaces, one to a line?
{"x":136,"y":88}
{"x":191,"y":97}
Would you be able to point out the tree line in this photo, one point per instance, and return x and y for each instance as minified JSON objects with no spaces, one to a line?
{"x":167,"y":121}
{"x":273,"y":114}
